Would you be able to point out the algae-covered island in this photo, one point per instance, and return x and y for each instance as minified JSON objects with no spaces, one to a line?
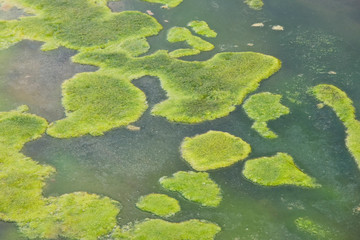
{"x":173,"y":120}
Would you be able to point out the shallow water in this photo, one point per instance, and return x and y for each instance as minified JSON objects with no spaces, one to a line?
{"x":125,"y":165}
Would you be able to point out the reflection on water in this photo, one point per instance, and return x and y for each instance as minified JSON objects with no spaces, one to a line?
{"x":126,"y":164}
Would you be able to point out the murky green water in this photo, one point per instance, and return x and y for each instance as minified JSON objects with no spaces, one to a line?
{"x":319,"y":36}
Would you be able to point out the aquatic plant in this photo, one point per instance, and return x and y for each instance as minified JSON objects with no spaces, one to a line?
{"x":194,"y":186}
{"x":183,"y":52}
{"x":213,"y":150}
{"x":170,"y":3}
{"x":181,"y":34}
{"x":159,"y":204}
{"x":344,"y":109}
{"x":277,"y":170}
{"x":255,"y":4}
{"x":202,"y":28}
{"x":156,"y":229}
{"x":307,"y":225}
{"x":263,"y":107}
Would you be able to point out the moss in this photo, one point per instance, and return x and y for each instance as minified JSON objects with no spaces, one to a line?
{"x":214,"y":150}
{"x":155,"y":229}
{"x":255,"y":4}
{"x":181,"y":34}
{"x":277,"y":170}
{"x":196,"y":187}
{"x":170,"y":3}
{"x":263,"y":107}
{"x":159,"y":204}
{"x":344,"y":109}
{"x":202,"y":28}
{"x":307,"y":225}
{"x":183,"y":52}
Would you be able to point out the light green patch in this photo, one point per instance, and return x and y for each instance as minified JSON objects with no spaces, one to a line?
{"x":214,"y":150}
{"x":316,"y":230}
{"x":255,"y":4}
{"x":183,"y":52}
{"x":159,"y":204}
{"x":263,"y":107}
{"x":135,"y":47}
{"x":196,"y":187}
{"x":181,"y":34}
{"x":344,"y":109}
{"x":170,"y":3}
{"x":202,"y":28}
{"x":277,"y":170}
{"x":156,"y":229}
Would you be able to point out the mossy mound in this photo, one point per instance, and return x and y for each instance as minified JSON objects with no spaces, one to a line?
{"x":255,"y":4}
{"x":214,"y":150}
{"x":159,"y":204}
{"x":263,"y":107}
{"x":181,"y":34}
{"x":156,"y":229}
{"x":277,"y":170}
{"x":314,"y":229}
{"x":202,"y":28}
{"x":344,"y":109}
{"x":170,"y":3}
{"x":196,"y":187}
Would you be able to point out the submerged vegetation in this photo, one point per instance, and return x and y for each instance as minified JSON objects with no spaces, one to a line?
{"x":255,"y":4}
{"x":263,"y":107}
{"x":214,"y":150}
{"x":277,"y":170}
{"x":196,"y":187}
{"x":159,"y":204}
{"x":344,"y":109}
{"x":314,"y":229}
{"x":202,"y":28}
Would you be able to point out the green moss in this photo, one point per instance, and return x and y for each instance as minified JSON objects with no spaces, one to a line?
{"x":196,"y":187}
{"x":344,"y":109}
{"x":202,"y":28}
{"x":263,"y":107}
{"x":214,"y":150}
{"x":255,"y":4}
{"x":156,"y":229}
{"x":170,"y":3}
{"x":183,"y":52}
{"x":159,"y":204}
{"x":181,"y":34}
{"x":316,"y":230}
{"x":277,"y":170}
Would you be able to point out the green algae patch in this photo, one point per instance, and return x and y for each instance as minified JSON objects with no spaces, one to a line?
{"x":202,"y":28}
{"x":157,"y":229}
{"x":214,"y":150}
{"x":344,"y":109}
{"x":263,"y":107}
{"x":183,"y":52}
{"x":255,"y":4}
{"x":96,"y":103}
{"x":181,"y":34}
{"x":196,"y":187}
{"x":159,"y":204}
{"x":277,"y":170}
{"x":169,"y":3}
{"x":314,"y":229}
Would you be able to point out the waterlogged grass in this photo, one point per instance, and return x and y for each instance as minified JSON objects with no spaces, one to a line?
{"x":159,"y":204}
{"x":183,"y":52}
{"x":202,"y":28}
{"x":196,"y":187}
{"x":344,"y":109}
{"x":255,"y":4}
{"x":156,"y":229}
{"x":314,"y":229}
{"x":214,"y":150}
{"x":169,"y":3}
{"x":181,"y":34}
{"x":75,"y":215}
{"x":277,"y":170}
{"x":263,"y":107}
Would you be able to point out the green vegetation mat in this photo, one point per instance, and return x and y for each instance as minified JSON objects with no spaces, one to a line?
{"x":214,"y":150}
{"x":263,"y":107}
{"x":314,"y":229}
{"x":255,"y":4}
{"x":170,"y":3}
{"x":181,"y":34}
{"x":202,"y":28}
{"x":196,"y":187}
{"x":344,"y":109}
{"x":277,"y":170}
{"x":159,"y":204}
